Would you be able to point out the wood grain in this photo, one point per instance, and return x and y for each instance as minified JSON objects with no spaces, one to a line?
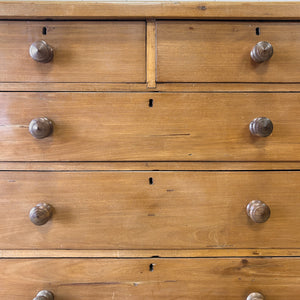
{"x":121,"y":210}
{"x":83,"y":51}
{"x":286,"y":10}
{"x":151,"y":54}
{"x":196,"y":51}
{"x":148,"y":166}
{"x":142,"y":87}
{"x":225,"y":87}
{"x":122,"y":229}
{"x":212,"y":279}
{"x":149,"y":253}
{"x":122,"y":127}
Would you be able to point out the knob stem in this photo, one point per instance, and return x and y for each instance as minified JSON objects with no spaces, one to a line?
{"x":41,"y":214}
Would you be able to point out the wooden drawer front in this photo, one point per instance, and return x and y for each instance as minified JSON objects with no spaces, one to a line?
{"x":83,"y":51}
{"x":122,"y":127}
{"x":121,"y":210}
{"x":198,"y":278}
{"x":191,"y":51}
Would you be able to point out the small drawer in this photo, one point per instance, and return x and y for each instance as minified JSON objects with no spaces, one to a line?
{"x":196,"y":278}
{"x":82,"y":51}
{"x":149,"y":210}
{"x":149,"y":127}
{"x":197,"y":51}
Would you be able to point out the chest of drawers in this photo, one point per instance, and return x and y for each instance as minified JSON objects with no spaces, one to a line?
{"x":149,"y":151}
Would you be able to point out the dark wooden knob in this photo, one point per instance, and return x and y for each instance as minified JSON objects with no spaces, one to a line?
{"x":255,"y":296}
{"x":258,"y":211}
{"x":261,"y":52}
{"x":41,"y":214}
{"x":261,"y":127}
{"x":44,"y":295}
{"x":40,"y":51}
{"x":41,"y":127}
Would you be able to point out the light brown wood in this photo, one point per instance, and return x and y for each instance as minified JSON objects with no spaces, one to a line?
{"x":225,"y":87}
{"x":285,"y":10}
{"x":122,"y":127}
{"x":149,"y":253}
{"x":121,"y":210}
{"x":142,"y":87}
{"x":147,"y":166}
{"x":151,"y":53}
{"x":83,"y":51}
{"x":148,"y":177}
{"x":211,"y":279}
{"x":196,"y":51}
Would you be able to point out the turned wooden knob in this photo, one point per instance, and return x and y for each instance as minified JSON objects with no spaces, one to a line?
{"x":40,"y":51}
{"x":44,"y":295}
{"x":261,"y":127}
{"x":255,"y":296}
{"x":41,"y":127}
{"x":261,"y":52}
{"x":41,"y":214}
{"x":258,"y":211}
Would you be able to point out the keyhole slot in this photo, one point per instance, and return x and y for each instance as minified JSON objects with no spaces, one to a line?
{"x":150,"y":102}
{"x":150,"y":180}
{"x":44,"y":31}
{"x":257,"y":31}
{"x":151,"y":267}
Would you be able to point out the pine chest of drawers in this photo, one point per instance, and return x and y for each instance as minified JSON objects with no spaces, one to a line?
{"x":149,"y":151}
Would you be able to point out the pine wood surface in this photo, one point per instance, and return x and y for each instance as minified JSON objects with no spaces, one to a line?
{"x":149,"y":166}
{"x":90,"y":279}
{"x":122,"y":127}
{"x":83,"y":52}
{"x":143,"y":87}
{"x":123,"y":210}
{"x":151,"y":54}
{"x":284,"y":10}
{"x":162,"y":253}
{"x":193,"y":144}
{"x":196,"y":51}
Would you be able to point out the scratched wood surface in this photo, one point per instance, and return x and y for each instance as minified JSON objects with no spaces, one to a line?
{"x":196,"y":51}
{"x":83,"y":51}
{"x":122,"y":127}
{"x":123,"y":210}
{"x":206,"y":278}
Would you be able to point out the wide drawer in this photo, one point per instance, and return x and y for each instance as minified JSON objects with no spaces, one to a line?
{"x":83,"y":51}
{"x":197,"y":51}
{"x":149,"y":210}
{"x":198,"y":278}
{"x":176,"y":127}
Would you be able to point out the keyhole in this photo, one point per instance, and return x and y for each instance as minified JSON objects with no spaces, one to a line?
{"x":257,"y":30}
{"x":44,"y":30}
{"x":150,"y":102}
{"x":151,"y":267}
{"x":150,"y":180}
